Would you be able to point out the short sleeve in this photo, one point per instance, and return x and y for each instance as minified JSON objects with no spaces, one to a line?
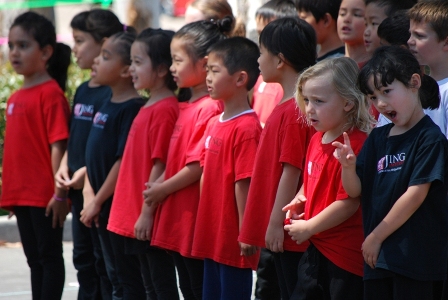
{"x":244,"y":154}
{"x":429,"y":164}
{"x":126,"y":118}
{"x":56,"y":115}
{"x":160,"y":135}
{"x":293,"y":145}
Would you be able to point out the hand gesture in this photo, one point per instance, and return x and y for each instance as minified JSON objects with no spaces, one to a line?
{"x":344,"y":152}
{"x":247,"y":250}
{"x":299,"y":231}
{"x":295,"y":209}
{"x":77,"y":180}
{"x":154,"y":194}
{"x":371,"y":249}
{"x":62,"y":177}
{"x":90,"y":214}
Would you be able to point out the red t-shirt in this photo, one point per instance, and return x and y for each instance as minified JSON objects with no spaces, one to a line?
{"x":323,"y":185}
{"x":265,"y":97}
{"x":175,"y":218}
{"x":229,"y":155}
{"x":148,"y":139}
{"x":36,"y":118}
{"x":284,"y":139}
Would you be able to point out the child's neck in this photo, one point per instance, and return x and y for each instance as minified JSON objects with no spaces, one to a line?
{"x":123,"y":91}
{"x":158,"y":94}
{"x":332,"y":134}
{"x":236,"y":105}
{"x":357,"y":52}
{"x":35,"y":79}
{"x":439,"y":71}
{"x":331,"y":43}
{"x":198,"y":91}
{"x":288,"y":82}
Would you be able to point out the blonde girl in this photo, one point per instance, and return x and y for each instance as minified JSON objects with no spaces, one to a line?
{"x":322,"y":212}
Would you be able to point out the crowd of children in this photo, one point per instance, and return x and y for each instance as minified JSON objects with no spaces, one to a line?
{"x":328,"y":179}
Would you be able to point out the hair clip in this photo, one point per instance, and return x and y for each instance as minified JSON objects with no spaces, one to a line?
{"x":125,"y":27}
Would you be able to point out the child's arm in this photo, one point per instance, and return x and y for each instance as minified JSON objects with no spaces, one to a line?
{"x":157,"y":192}
{"x":400,"y":212}
{"x":345,"y":155}
{"x":143,"y":226}
{"x":296,"y":208}
{"x":333,"y":215}
{"x":59,"y":209}
{"x":241,"y":191}
{"x":62,"y":175}
{"x":91,"y":212}
{"x":285,"y":192}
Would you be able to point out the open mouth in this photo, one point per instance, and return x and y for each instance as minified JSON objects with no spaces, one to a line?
{"x":392,"y":114}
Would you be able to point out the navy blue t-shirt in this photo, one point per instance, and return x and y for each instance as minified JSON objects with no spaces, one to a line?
{"x":107,"y":138}
{"x":387,"y":166}
{"x":86,"y":103}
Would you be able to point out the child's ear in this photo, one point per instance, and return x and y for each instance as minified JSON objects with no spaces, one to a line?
{"x":326,"y":19}
{"x":445,"y":44}
{"x":415,"y":81}
{"x":162,"y":71}
{"x":125,"y":72}
{"x":47,"y":52}
{"x":281,"y":60}
{"x":203,"y":62}
{"x":348,"y":106}
{"x":242,"y":79}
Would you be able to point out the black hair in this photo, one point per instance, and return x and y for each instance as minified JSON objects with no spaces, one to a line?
{"x":44,"y":33}
{"x":319,"y":8}
{"x":275,"y":9}
{"x":395,"y":29}
{"x":157,"y":44}
{"x":100,"y":23}
{"x":392,"y":5}
{"x":123,"y":41}
{"x":239,"y":54}
{"x":200,"y":35}
{"x":294,"y":38}
{"x":390,"y":63}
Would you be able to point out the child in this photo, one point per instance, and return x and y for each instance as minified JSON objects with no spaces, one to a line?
{"x":376,"y":12}
{"x":323,"y":15}
{"x":178,"y":190}
{"x":105,"y":143}
{"x":144,"y":160}
{"x":35,"y":141}
{"x":267,"y":95}
{"x":322,"y":212}
{"x":281,"y":154}
{"x":400,"y":175}
{"x":351,"y":25}
{"x":428,"y":43}
{"x":89,"y":30}
{"x":228,"y":157}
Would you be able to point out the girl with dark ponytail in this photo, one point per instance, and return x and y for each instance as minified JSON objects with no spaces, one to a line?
{"x":35,"y":141}
{"x":178,"y":189}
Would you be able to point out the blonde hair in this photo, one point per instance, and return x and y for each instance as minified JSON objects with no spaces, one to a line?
{"x":344,"y":72}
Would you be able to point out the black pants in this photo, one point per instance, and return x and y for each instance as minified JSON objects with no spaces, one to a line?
{"x":320,"y":279}
{"x":43,"y":249}
{"x":87,"y":257}
{"x":286,"y":264}
{"x":266,"y":287}
{"x":191,"y":275}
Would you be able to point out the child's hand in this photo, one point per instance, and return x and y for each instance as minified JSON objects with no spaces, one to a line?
{"x":143,"y":227}
{"x":371,"y":249}
{"x":62,"y":177}
{"x":299,"y":231}
{"x":247,"y":250}
{"x":344,"y":152}
{"x":90,"y":213}
{"x":274,"y":237}
{"x":295,"y":209}
{"x":58,"y":210}
{"x":77,"y":180}
{"x":154,"y":194}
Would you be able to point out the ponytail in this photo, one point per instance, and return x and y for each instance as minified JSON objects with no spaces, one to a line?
{"x":57,"y":65}
{"x":429,"y":93}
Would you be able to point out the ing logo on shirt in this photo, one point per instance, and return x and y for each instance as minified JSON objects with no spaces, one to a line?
{"x":314,"y":169}
{"x":213,"y":144}
{"x":100,"y":119}
{"x":10,"y":108}
{"x":391,"y":163}
{"x":83,"y":111}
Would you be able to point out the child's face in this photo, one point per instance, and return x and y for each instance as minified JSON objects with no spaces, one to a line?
{"x":324,"y":108}
{"x":85,"y":48}
{"x":317,"y":26}
{"x":374,"y":16}
{"x":186,"y":72}
{"x":25,"y":54}
{"x":261,"y":24}
{"x":142,"y":72}
{"x":220,"y":84}
{"x":268,"y":63}
{"x":351,"y":22}
{"x":397,"y":102}
{"x":108,"y":66}
{"x":424,"y":44}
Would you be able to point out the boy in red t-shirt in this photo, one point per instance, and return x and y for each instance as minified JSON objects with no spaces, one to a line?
{"x":228,"y":158}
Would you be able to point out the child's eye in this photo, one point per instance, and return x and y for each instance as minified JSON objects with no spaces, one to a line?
{"x":372,"y":98}
{"x":306,"y":100}
{"x":386,"y":91}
